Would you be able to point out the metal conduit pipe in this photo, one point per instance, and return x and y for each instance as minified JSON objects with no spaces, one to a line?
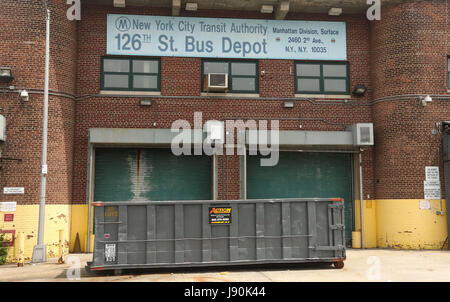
{"x":298,"y":99}
{"x":361,"y":212}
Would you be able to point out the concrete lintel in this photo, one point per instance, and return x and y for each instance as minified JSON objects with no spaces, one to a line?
{"x":131,"y":136}
{"x":294,"y":138}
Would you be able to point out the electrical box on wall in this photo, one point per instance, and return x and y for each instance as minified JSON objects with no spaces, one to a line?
{"x":362,"y":134}
{"x":214,"y":131}
{"x":2,"y":128}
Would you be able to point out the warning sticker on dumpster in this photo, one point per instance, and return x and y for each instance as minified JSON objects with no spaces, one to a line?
{"x":220,"y":215}
{"x":110,"y":252}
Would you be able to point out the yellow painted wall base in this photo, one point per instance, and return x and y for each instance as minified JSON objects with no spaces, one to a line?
{"x":370,"y":223}
{"x":78,"y":225}
{"x":401,"y":224}
{"x":26,"y":218}
{"x":393,"y":223}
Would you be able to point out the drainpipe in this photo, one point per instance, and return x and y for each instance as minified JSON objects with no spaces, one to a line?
{"x":89,"y":194}
{"x":361,"y":199}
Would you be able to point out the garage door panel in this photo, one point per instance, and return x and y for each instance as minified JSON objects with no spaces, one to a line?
{"x":140,"y":174}
{"x":304,"y":175}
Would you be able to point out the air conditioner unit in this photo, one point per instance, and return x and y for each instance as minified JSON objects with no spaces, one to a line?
{"x":2,"y":128}
{"x":217,"y":81}
{"x":362,"y":134}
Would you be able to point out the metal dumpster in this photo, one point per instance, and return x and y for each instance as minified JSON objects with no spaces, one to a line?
{"x":217,"y":233}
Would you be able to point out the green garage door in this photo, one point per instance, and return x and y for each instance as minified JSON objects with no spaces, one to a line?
{"x":130,"y":174}
{"x":304,"y":175}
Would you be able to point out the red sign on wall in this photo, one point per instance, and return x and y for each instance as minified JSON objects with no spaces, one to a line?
{"x":9,"y":217}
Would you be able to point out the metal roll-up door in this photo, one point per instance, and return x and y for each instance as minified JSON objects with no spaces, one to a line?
{"x":304,"y":175}
{"x":143,"y":174}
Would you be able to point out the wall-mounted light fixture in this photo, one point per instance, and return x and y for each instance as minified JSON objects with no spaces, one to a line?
{"x":191,"y":6}
{"x":425,"y":100}
{"x":146,"y":102}
{"x":335,"y":11}
{"x":119,"y":3}
{"x":267,"y":9}
{"x":360,"y":90}
{"x":24,"y":95}
{"x":288,"y":104}
{"x":6,"y":74}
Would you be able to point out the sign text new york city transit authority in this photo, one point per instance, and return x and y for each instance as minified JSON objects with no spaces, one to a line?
{"x":225,"y":38}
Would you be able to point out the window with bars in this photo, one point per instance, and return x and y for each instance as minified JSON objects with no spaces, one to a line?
{"x":242,"y":75}
{"x":322,"y":78}
{"x":130,"y":74}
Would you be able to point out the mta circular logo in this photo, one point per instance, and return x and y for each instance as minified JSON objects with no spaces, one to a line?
{"x":123,"y":24}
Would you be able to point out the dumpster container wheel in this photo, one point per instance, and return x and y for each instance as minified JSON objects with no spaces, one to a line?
{"x":338,"y":264}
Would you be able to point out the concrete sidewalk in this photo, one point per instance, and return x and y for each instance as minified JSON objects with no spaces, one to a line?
{"x":360,"y":266}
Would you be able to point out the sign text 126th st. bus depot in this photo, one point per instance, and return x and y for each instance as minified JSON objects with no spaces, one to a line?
{"x":225,"y":38}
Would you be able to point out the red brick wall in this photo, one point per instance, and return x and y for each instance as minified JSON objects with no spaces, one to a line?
{"x":22,"y":48}
{"x":409,"y":56}
{"x":182,"y":77}
{"x":403,"y":53}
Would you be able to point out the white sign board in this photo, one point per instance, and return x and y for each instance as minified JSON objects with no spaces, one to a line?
{"x":432,"y":189}
{"x":432,"y":173}
{"x":8,"y":206}
{"x":13,"y":190}
{"x":146,"y":35}
{"x":424,"y":205}
{"x":110,"y":252}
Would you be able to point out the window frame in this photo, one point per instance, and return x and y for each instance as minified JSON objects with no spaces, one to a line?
{"x":130,"y":74}
{"x":322,"y":78}
{"x":230,"y":76}
{"x":448,"y":72}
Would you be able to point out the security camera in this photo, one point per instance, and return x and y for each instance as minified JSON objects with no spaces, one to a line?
{"x":24,"y":95}
{"x":425,"y":100}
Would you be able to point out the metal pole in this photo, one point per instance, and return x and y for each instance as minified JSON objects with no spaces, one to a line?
{"x":89,"y":194}
{"x":40,"y":250}
{"x":361,"y":197}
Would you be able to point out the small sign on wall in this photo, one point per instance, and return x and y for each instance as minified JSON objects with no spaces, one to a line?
{"x":432,"y":183}
{"x":8,"y":218}
{"x":220,"y":215}
{"x":424,"y":205}
{"x":13,"y":190}
{"x":432,"y":189}
{"x":8,"y":206}
{"x":432,"y":173}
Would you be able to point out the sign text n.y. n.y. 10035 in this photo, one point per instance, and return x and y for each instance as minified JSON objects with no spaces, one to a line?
{"x":225,"y":38}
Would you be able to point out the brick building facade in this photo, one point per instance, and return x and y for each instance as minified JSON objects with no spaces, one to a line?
{"x":400,"y":59}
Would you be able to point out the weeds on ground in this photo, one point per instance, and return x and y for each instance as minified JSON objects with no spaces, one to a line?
{"x":3,"y":249}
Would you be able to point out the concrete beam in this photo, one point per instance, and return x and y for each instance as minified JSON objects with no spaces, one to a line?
{"x":129,"y":136}
{"x":176,"y":7}
{"x":293,"y":138}
{"x":282,"y":10}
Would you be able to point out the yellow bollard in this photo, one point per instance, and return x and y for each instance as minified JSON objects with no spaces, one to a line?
{"x":21,"y":249}
{"x":61,"y":247}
